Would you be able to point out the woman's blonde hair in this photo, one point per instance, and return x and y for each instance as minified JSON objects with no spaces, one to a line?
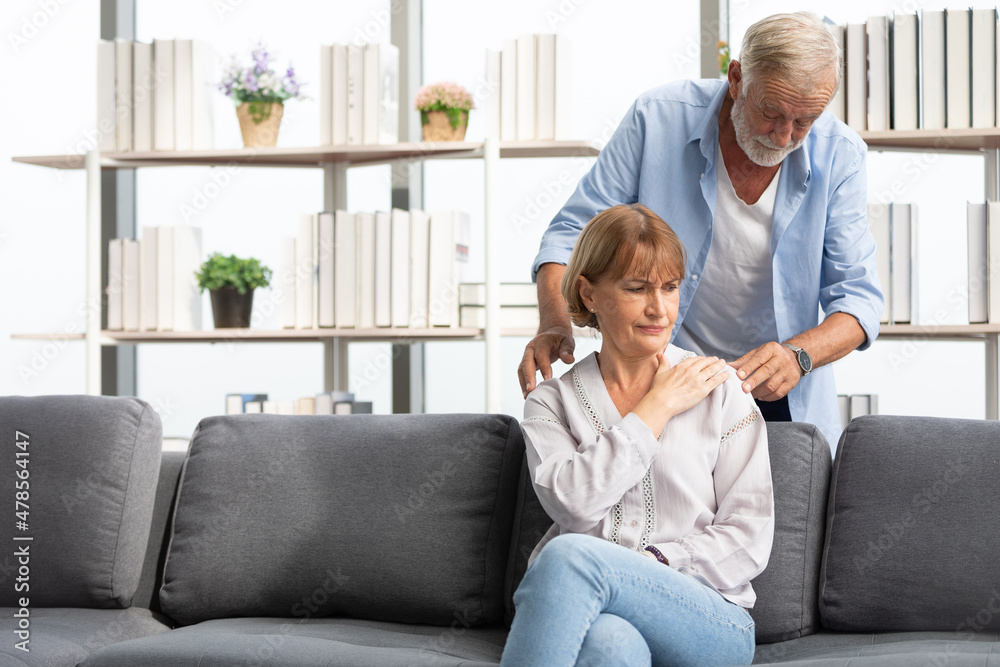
{"x":614,"y":241}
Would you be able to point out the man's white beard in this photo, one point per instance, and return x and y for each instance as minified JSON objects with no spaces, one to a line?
{"x":759,"y":148}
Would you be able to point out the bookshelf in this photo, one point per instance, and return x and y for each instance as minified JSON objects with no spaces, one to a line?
{"x":334,"y":160}
{"x":985,"y":142}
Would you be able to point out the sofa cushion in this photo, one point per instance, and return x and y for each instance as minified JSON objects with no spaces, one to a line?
{"x":912,"y":527}
{"x":530,"y":525}
{"x":89,"y":474}
{"x":387,"y":517}
{"x":786,"y":590}
{"x":890,"y":649}
{"x":60,"y":636}
{"x":306,"y":642}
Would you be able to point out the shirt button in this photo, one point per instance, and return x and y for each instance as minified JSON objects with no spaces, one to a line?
{"x":694,"y":276}
{"x":633,"y":523}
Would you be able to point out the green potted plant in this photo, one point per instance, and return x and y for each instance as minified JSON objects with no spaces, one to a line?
{"x":259,"y":93}
{"x":231,"y":282}
{"x":444,"y":111}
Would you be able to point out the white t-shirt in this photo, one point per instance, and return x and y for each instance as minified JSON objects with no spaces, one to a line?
{"x":732,"y":311}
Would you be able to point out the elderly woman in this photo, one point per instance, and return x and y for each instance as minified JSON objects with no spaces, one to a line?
{"x":653,"y":464}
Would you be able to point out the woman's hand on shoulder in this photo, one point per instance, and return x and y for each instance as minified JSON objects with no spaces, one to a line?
{"x":680,"y":387}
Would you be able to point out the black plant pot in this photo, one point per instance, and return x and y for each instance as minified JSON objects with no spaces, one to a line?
{"x":231,"y":309}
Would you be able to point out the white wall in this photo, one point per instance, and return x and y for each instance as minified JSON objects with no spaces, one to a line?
{"x":621,"y":48}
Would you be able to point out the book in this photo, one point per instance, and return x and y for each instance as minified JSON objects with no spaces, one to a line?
{"x":400,"y":267}
{"x":380,"y":94}
{"x":338,"y":114}
{"x":932,"y":70}
{"x":978,"y":263}
{"x":187,"y":294}
{"x":130,"y":285}
{"x":123,"y":95}
{"x":545,"y":87}
{"x":163,"y":95}
{"x":878,"y":223}
{"x":511,"y":317}
{"x":147,"y":279}
{"x":285,"y":406}
{"x":306,"y":243}
{"x":183,"y":101}
{"x":355,"y":94}
{"x":992,"y":261}
{"x":237,"y":403}
{"x":448,"y":263}
{"x":958,"y":75}
{"x":114,"y":288}
{"x":142,"y":96}
{"x":492,"y":104}
{"x":325,"y":95}
{"x":284,"y":283}
{"x":863,"y":404}
{"x":837,"y":105}
{"x":905,"y":102}
{"x":878,"y":73}
{"x":419,"y":267}
{"x":564,"y":89}
{"x":306,"y":405}
{"x":383,"y":269}
{"x":345,"y":270}
{"x":326,"y":400}
{"x":508,"y":90}
{"x":253,"y":407}
{"x":901,"y":253}
{"x":203,"y":95}
{"x":107,"y":120}
{"x":856,"y":76}
{"x":325,"y":286}
{"x":352,"y":408}
{"x":365,"y":269}
{"x":526,"y":87}
{"x":511,"y":294}
{"x":164,"y":278}
{"x":844,"y":405}
{"x":984,"y":74}
{"x":269,"y":407}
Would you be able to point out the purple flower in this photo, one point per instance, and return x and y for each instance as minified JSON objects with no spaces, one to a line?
{"x":251,"y":82}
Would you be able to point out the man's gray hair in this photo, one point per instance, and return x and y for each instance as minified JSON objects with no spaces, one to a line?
{"x":799,"y":48}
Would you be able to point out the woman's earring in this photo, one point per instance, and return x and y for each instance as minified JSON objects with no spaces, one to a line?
{"x":591,"y":310}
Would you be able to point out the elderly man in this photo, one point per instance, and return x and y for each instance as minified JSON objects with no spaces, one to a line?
{"x":768,"y":195}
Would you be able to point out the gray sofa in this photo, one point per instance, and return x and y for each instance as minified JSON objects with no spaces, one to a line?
{"x":399,"y":540}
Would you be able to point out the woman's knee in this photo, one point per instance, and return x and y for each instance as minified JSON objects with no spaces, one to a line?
{"x":611,"y":640}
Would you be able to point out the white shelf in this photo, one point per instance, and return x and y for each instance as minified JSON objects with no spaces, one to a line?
{"x":316,"y":156}
{"x":971,"y":140}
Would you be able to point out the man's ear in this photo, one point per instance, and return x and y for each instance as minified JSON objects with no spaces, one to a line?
{"x":735,"y":78}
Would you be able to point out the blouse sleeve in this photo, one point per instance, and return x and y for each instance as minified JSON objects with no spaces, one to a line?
{"x":736,"y":546}
{"x":579,"y":475}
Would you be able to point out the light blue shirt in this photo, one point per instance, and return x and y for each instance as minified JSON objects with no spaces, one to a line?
{"x":663,"y":155}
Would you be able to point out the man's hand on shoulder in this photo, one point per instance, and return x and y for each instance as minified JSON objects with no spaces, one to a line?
{"x":769,"y":372}
{"x":544,"y":349}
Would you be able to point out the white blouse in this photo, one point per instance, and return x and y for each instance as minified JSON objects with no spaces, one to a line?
{"x":701,"y":493}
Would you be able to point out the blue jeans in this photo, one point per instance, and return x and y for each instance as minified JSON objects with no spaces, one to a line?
{"x":587,"y":601}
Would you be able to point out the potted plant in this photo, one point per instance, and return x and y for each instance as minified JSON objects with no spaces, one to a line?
{"x":444,"y":111}
{"x":259,"y":93}
{"x":231,"y":282}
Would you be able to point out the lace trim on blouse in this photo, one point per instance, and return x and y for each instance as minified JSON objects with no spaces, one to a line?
{"x":648,"y":496}
{"x":543,"y":419}
{"x":741,"y":426}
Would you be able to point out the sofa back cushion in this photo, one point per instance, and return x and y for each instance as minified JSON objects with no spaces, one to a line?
{"x":81,"y":474}
{"x":786,"y":590}
{"x":530,"y":525}
{"x":402,"y":518}
{"x":913,"y":527}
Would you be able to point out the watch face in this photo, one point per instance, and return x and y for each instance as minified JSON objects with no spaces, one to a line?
{"x":805,"y":361}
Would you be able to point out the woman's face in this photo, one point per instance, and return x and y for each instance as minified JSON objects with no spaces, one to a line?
{"x":636,"y":312}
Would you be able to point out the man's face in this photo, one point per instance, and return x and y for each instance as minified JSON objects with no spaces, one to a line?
{"x":772,"y":118}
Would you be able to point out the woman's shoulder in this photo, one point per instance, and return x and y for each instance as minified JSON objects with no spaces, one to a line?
{"x":551,"y":395}
{"x":729,"y":394}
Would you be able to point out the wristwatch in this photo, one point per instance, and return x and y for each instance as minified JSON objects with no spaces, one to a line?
{"x":805,"y":361}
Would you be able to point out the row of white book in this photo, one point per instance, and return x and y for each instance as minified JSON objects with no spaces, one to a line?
{"x":383,"y":269}
{"x":151,"y":281}
{"x":933,"y":70}
{"x":529,"y":89}
{"x":155,"y":97}
{"x":894,"y":228}
{"x":328,"y":403}
{"x":984,"y":262}
{"x":358,"y":94}
{"x":856,"y":405}
{"x":518,"y":305}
